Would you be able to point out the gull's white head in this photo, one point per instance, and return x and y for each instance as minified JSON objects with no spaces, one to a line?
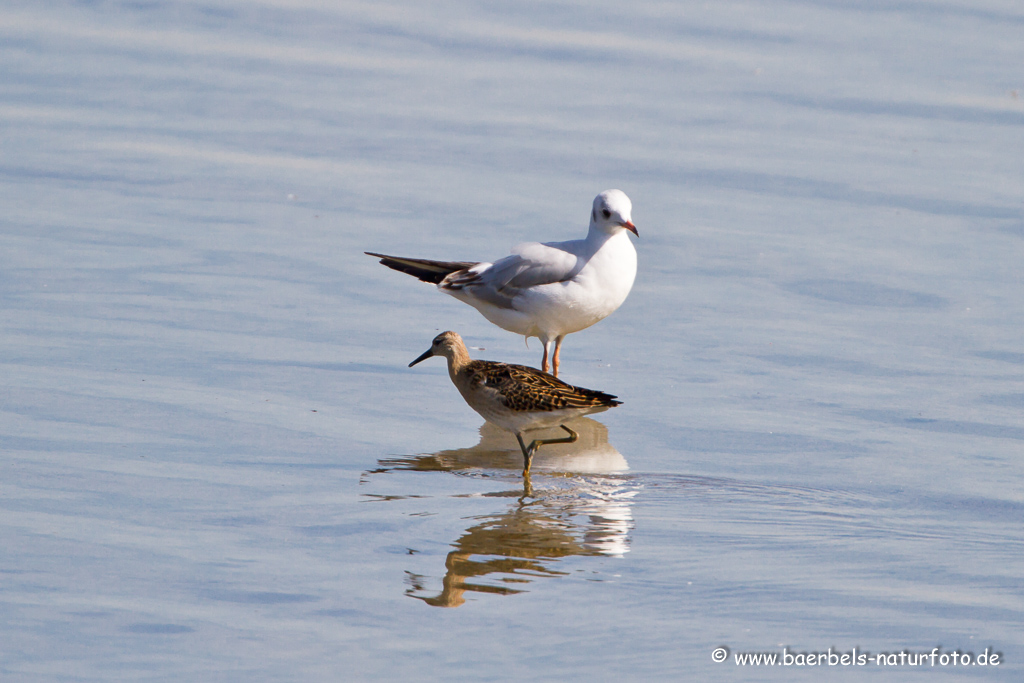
{"x":612,"y":212}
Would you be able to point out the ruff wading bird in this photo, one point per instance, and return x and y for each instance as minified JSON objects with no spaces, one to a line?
{"x":515,"y":397}
{"x":545,"y":290}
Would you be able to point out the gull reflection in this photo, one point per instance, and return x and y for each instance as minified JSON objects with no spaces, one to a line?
{"x":583,"y":508}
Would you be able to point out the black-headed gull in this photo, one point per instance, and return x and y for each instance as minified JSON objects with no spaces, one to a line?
{"x":515,"y":397}
{"x":545,"y":290}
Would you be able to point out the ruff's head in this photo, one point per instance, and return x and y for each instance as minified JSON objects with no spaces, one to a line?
{"x":611,"y":212}
{"x":448,"y":344}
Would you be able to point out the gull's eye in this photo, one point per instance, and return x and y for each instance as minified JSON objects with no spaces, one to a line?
{"x":606,"y":213}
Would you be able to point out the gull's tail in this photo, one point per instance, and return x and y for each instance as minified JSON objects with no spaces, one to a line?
{"x":424,"y":269}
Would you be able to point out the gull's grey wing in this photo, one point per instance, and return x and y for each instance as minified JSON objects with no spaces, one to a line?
{"x":530,"y":265}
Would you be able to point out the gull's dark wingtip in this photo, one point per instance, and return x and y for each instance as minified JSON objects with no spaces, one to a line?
{"x":422,"y":269}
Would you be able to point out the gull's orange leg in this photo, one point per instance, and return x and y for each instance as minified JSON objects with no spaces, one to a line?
{"x":558,"y":348}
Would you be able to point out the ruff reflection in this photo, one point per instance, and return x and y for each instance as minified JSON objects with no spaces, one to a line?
{"x":498,"y":449}
{"x":586,"y":512}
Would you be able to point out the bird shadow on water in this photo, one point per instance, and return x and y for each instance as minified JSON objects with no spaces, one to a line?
{"x":577,"y":504}
{"x":581,"y":503}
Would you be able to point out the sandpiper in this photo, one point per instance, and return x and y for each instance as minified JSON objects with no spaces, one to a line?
{"x":545,"y":290}
{"x":515,"y":397}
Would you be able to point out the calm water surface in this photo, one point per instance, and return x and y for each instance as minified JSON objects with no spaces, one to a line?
{"x":217,"y":466}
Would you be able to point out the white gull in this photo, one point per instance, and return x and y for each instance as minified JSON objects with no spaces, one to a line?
{"x":545,"y":290}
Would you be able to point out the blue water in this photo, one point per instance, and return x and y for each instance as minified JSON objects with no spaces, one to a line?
{"x":216,"y":465}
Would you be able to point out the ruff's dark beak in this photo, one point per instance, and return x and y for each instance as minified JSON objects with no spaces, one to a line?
{"x":426,"y":354}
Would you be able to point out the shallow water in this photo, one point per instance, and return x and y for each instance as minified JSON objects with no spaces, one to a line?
{"x":216,"y":464}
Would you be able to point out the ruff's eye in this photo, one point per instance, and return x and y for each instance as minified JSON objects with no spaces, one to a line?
{"x":606,"y":213}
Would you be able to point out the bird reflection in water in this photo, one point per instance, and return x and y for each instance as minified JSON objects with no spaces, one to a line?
{"x":583,"y":509}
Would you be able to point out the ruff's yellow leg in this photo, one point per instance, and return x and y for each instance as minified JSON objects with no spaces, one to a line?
{"x":527,"y":454}
{"x":527,"y":486}
{"x":528,"y":451}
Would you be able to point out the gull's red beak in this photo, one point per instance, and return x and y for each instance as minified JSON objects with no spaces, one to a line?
{"x":628,"y":225}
